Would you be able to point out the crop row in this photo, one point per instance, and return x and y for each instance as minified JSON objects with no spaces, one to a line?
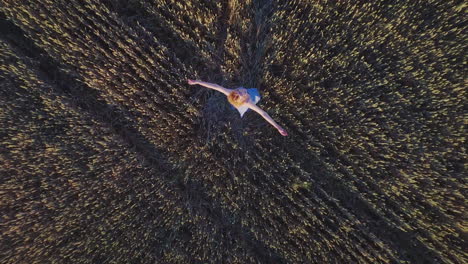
{"x":374,"y":114}
{"x":73,"y":187}
{"x":341,"y":101}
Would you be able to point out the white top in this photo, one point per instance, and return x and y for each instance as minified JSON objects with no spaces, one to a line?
{"x":254,"y":98}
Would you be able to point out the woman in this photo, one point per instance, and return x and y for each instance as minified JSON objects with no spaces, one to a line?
{"x":242,"y":99}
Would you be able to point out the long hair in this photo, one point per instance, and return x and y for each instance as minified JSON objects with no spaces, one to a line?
{"x":236,"y":99}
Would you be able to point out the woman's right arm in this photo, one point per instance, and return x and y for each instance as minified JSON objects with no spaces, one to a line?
{"x":267,"y":118}
{"x":213,"y":86}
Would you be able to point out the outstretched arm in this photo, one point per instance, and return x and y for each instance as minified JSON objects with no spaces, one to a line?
{"x":267,"y":118}
{"x":213,"y":86}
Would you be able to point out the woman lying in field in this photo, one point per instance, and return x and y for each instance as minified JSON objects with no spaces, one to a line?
{"x":242,"y":99}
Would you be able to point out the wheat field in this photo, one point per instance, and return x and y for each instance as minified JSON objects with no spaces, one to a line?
{"x":107,"y":155}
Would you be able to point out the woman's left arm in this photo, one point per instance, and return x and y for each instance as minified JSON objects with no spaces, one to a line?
{"x":213,"y":86}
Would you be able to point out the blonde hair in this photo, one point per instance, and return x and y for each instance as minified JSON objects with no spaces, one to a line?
{"x":236,"y":99}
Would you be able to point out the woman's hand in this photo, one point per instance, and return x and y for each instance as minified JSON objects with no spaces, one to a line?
{"x":282,"y":131}
{"x":191,"y":82}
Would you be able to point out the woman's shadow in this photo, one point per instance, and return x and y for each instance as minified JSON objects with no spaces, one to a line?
{"x":219,"y":122}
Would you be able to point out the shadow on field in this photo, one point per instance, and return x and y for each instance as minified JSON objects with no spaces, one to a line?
{"x":245,"y":185}
{"x":88,"y":100}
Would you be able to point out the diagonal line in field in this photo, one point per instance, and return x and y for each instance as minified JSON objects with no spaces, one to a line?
{"x":87,"y":100}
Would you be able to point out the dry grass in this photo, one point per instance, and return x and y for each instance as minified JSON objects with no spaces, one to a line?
{"x":107,"y":155}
